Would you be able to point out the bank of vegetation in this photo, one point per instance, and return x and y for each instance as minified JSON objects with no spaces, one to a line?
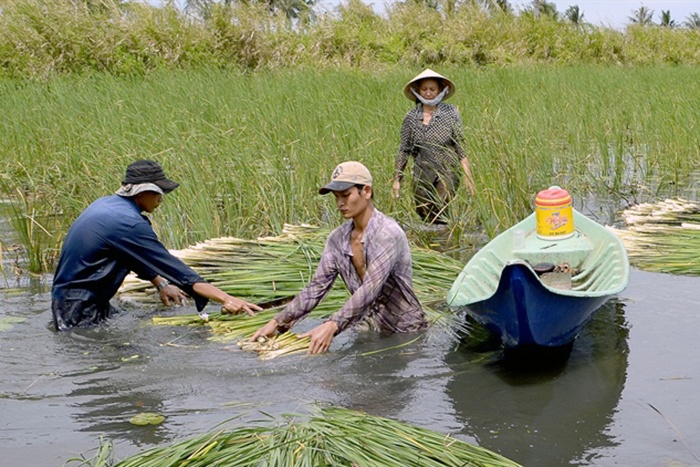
{"x":39,"y":38}
{"x":250,"y":110}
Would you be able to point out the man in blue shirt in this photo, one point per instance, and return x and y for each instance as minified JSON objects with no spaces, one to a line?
{"x":112,"y":238}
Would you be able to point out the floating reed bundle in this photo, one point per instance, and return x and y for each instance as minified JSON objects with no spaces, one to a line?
{"x":281,"y":344}
{"x":270,"y":271}
{"x":333,"y":437}
{"x":663,"y":236}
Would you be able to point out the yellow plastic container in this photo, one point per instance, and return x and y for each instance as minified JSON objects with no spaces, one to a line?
{"x":554,"y":214}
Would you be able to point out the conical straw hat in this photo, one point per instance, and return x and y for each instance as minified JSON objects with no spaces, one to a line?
{"x":428,"y":73}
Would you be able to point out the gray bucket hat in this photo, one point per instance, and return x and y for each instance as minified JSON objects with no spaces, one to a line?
{"x":145,"y":175}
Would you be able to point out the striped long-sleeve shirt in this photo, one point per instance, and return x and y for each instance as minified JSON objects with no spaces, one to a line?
{"x":384,"y":299}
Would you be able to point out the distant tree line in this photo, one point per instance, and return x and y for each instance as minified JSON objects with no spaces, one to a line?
{"x":39,"y":38}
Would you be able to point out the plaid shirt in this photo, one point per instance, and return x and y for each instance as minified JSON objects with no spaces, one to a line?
{"x":438,"y":144}
{"x":384,"y":299}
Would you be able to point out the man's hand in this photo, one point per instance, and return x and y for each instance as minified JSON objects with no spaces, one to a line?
{"x":269,"y":329}
{"x":235,"y":306}
{"x":321,"y":337}
{"x":172,"y":295}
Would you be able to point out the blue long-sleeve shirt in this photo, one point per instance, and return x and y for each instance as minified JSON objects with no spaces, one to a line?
{"x":107,"y":241}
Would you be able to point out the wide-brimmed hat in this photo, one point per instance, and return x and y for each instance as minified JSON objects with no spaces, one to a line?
{"x":428,"y":73}
{"x":145,"y":175}
{"x":347,"y":175}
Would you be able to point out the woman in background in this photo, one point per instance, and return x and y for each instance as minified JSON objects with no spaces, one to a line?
{"x":432,"y":134}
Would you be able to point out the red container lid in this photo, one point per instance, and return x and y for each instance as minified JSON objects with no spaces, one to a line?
{"x":553,"y":196}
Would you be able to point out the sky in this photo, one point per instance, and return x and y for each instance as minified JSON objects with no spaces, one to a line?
{"x":616,"y":13}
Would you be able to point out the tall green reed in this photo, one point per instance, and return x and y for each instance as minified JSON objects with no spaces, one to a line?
{"x":251,"y":149}
{"x":32,"y":219}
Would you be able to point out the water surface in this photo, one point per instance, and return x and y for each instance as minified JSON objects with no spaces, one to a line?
{"x":627,"y":394}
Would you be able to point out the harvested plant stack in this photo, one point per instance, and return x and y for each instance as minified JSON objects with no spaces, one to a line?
{"x":664,"y":236}
{"x":333,"y":437}
{"x":270,"y":271}
{"x":264,"y":271}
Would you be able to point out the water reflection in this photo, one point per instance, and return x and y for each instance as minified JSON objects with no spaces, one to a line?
{"x":548,"y":414}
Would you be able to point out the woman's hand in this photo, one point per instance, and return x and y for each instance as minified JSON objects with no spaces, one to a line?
{"x":266,"y":331}
{"x":396,"y":188}
{"x":468,"y":179}
{"x":321,"y":337}
{"x":470,"y":185}
{"x":236,"y":306}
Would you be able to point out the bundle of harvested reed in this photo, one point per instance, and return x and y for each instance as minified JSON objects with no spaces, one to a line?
{"x":332,"y":437}
{"x":266,"y":270}
{"x":281,"y":344}
{"x":271,"y":270}
{"x":663,"y":236}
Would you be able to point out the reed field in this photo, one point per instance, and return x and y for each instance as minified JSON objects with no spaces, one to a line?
{"x":250,"y":111}
{"x":251,"y":149}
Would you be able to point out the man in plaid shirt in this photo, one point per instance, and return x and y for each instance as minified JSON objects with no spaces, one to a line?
{"x":370,"y":252}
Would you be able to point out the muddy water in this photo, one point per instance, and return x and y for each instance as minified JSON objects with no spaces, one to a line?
{"x":627,"y":395}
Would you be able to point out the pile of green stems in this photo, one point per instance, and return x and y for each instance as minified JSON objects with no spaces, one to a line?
{"x":333,"y":437}
{"x":273,"y":270}
{"x":664,"y":236}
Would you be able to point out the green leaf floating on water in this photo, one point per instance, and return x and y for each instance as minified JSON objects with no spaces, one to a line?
{"x":7,"y":322}
{"x":147,"y":418}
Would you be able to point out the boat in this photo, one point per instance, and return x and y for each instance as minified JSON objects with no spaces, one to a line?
{"x":539,"y":292}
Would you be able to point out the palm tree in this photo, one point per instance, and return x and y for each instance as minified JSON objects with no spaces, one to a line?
{"x":548,"y":9}
{"x":293,"y":9}
{"x":692,"y":21}
{"x":544,"y":8}
{"x":573,"y":14}
{"x":642,"y":16}
{"x":502,"y":6}
{"x":666,"y":20}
